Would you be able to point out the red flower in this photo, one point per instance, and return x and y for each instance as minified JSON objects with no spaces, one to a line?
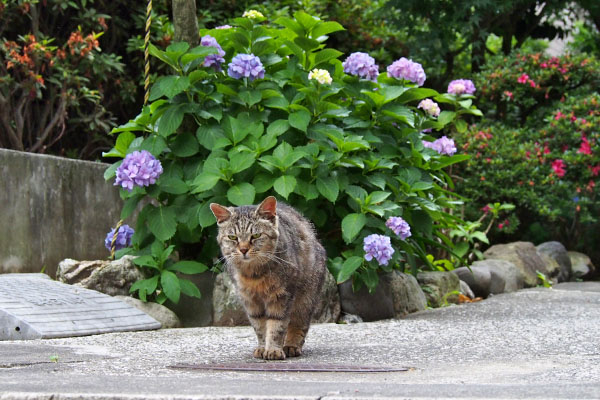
{"x":523,"y":78}
{"x":558,"y":166}
{"x":595,"y":170}
{"x":585,"y":147}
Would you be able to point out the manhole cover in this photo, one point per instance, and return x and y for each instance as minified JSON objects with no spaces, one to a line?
{"x":289,"y":367}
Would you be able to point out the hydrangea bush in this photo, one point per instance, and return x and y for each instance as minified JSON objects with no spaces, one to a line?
{"x":340,"y":141}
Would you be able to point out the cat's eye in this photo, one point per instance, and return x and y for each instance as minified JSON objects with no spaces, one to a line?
{"x":232,"y":237}
{"x":256,"y":235}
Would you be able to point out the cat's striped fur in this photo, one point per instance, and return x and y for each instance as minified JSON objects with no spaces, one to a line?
{"x":278,"y":267}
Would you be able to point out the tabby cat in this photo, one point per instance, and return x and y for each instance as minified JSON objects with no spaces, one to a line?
{"x":278,"y":267}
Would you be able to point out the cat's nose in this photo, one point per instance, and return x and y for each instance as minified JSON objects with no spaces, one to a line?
{"x":243,"y":250}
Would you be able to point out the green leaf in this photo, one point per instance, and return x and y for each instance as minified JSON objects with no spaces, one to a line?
{"x":145,"y":287}
{"x":111,"y":170}
{"x":172,"y":85}
{"x":263,"y":182}
{"x":329,"y":188}
{"x":212,"y":137}
{"x":173,"y":185}
{"x":189,"y":288}
{"x":188,"y":267}
{"x":241,"y":194}
{"x":352,"y":224}
{"x":461,"y":126}
{"x":307,"y":21}
{"x":325,"y":28}
{"x":162,"y":222}
{"x":235,"y":129}
{"x":250,"y":97}
{"x":205,"y":216}
{"x":291,"y":25}
{"x":348,"y":268}
{"x":284,"y":185}
{"x":278,"y":127}
{"x":324,"y":56}
{"x":155,"y":144}
{"x":241,"y":161}
{"x":170,"y":120}
{"x":300,"y":120}
{"x":185,"y":145}
{"x":161,"y":55}
{"x":446,"y":117}
{"x":416,"y":94}
{"x":205,"y":181}
{"x":481,"y":236}
{"x":129,"y":206}
{"x":146,"y":261}
{"x":170,"y":285}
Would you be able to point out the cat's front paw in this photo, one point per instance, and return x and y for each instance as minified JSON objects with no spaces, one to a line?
{"x":292,"y":351}
{"x":273,"y":354}
{"x":259,"y":352}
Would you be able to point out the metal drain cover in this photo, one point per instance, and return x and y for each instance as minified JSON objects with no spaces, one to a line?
{"x":289,"y":367}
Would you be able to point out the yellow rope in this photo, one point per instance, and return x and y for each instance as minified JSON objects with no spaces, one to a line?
{"x":146,"y":53}
{"x":113,"y":245}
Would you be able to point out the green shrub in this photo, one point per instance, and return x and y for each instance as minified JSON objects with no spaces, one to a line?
{"x":541,"y":151}
{"x":347,"y":154}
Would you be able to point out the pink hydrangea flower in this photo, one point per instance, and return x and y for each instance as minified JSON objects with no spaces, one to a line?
{"x":406,"y":69}
{"x":461,"y":86}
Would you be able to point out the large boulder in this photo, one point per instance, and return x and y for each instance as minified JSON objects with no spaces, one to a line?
{"x":524,"y":256}
{"x":110,"y":277}
{"x":478,"y":279}
{"x":440,"y":288}
{"x":407,"y":295}
{"x":227,"y":309}
{"x":581,"y":264}
{"x":167,"y":318}
{"x":558,"y":263}
{"x":396,"y":295}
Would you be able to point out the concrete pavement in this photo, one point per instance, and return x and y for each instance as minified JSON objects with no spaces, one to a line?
{"x":535,"y":343}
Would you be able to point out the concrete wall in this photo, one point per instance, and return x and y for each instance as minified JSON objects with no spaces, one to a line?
{"x":53,"y":208}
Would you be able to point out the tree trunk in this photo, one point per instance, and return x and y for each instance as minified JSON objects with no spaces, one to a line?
{"x":185,"y":22}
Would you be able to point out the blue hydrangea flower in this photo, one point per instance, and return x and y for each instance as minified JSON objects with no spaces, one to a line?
{"x":442,"y":145}
{"x":378,"y":247}
{"x":361,"y":65}
{"x":213,"y":60}
{"x":399,"y":226}
{"x":408,"y":70}
{"x":461,"y":86}
{"x":246,"y":66}
{"x":139,"y":168}
{"x":124,"y":235}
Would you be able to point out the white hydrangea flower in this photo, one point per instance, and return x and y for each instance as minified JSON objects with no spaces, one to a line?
{"x":252,"y":14}
{"x":320,"y":75}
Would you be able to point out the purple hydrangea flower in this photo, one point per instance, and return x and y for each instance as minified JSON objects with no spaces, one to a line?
{"x":361,"y":65}
{"x":408,"y":70}
{"x":124,"y":235}
{"x":246,"y":66}
{"x":224,"y":27}
{"x":139,"y":168}
{"x":461,"y":86}
{"x":378,"y":247}
{"x":399,"y":226}
{"x":213,"y":60}
{"x":442,"y":145}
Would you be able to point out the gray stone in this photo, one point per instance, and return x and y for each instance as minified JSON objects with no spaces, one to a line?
{"x":523,"y":255}
{"x":227,"y":309}
{"x":329,"y":308}
{"x":369,"y":306}
{"x":60,"y":207}
{"x":440,"y":287}
{"x":465,"y":290}
{"x":167,"y":318}
{"x":478,"y":279}
{"x":194,"y":312}
{"x":36,"y":308}
{"x":407,"y":295}
{"x":350,"y":319}
{"x":505,"y":271}
{"x":581,"y":264}
{"x":110,"y":277}
{"x":559,"y":266}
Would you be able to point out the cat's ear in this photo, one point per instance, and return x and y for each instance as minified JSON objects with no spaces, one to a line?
{"x":268,"y":208}
{"x":221,"y":213}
